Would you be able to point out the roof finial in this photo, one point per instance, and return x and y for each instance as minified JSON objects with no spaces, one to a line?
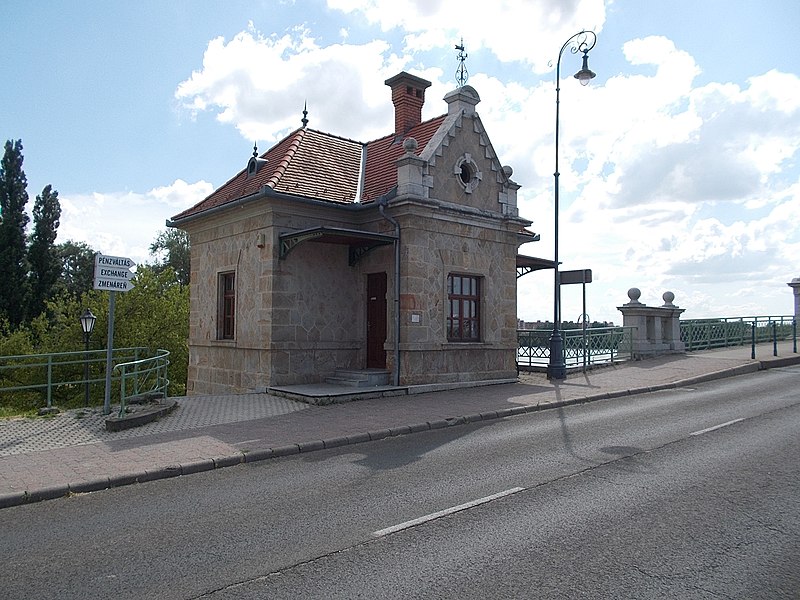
{"x":461,"y":72}
{"x":255,"y":149}
{"x":305,"y":113}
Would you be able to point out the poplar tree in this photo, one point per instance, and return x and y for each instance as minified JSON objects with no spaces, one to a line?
{"x":43,"y":257}
{"x":77,"y":267}
{"x":13,"y":221}
{"x":172,"y":246}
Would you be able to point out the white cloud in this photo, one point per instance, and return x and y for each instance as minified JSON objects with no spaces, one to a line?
{"x":671,"y":186}
{"x":260,"y":85}
{"x":503,"y":27}
{"x":125,"y":223}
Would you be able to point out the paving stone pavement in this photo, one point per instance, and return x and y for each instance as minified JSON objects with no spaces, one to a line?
{"x":47,"y":458}
{"x":87,"y":426}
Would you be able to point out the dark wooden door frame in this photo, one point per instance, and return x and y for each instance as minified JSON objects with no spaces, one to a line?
{"x":376,"y":320}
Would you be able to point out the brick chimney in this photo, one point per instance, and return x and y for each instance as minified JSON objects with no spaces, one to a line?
{"x":408,"y":96}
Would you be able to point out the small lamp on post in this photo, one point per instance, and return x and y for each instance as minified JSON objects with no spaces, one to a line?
{"x":87,"y":324}
{"x":557,"y":366}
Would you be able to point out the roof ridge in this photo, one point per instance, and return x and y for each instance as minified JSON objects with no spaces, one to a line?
{"x":394,"y":135}
{"x":333,"y":135}
{"x":283,"y":163}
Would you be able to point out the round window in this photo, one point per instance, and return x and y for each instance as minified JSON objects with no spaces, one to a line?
{"x":467,"y":172}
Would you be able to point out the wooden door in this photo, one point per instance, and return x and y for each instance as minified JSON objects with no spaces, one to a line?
{"x":376,"y":320}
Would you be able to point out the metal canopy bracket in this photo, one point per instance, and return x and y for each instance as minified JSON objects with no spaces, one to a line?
{"x":529,"y":264}
{"x":359,"y":242}
{"x":288,"y":242}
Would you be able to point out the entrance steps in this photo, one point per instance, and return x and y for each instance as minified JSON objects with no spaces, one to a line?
{"x":360,"y":378}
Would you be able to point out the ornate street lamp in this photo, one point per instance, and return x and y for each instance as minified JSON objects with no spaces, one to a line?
{"x":87,"y":324}
{"x":557,"y":366}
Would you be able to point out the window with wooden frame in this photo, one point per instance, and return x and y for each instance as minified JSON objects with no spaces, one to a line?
{"x":226,"y":306}
{"x":464,"y":300}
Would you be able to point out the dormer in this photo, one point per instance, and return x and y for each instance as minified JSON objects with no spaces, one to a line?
{"x":255,"y":163}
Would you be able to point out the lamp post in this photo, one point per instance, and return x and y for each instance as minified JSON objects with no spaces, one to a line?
{"x":557,"y":366}
{"x":87,"y":324}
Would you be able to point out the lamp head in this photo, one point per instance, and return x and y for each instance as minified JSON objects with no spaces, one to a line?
{"x":585,"y":74}
{"x":87,"y":321}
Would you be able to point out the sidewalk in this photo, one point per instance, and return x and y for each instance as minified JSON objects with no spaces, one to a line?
{"x":72,"y":452}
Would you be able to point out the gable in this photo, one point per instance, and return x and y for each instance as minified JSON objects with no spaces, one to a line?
{"x":464,"y":169}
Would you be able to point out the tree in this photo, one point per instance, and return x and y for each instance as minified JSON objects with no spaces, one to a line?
{"x":155,"y":314}
{"x":13,"y":221}
{"x":173,"y":246}
{"x":42,"y":253}
{"x":77,"y":267}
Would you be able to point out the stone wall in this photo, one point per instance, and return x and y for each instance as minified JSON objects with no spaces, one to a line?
{"x":441,"y":243}
{"x":298,"y":319}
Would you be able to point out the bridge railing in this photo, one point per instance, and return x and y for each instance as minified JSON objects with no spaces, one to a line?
{"x":36,"y":380}
{"x":706,"y":334}
{"x":599,"y":345}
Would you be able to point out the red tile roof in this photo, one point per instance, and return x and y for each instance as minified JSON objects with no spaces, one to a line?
{"x":380,"y":174}
{"x":313,"y":164}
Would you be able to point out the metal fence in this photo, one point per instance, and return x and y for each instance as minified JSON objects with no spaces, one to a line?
{"x":705,"y":334}
{"x":610,"y":344}
{"x":595,"y":345}
{"x":60,"y":375}
{"x":147,"y":375}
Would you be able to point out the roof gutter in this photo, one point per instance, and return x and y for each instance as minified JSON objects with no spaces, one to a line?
{"x":268,"y":192}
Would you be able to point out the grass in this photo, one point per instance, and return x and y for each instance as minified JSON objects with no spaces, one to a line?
{"x":10,"y":412}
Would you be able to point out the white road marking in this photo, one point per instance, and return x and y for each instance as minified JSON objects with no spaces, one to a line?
{"x":446,"y":511}
{"x":702,"y":431}
{"x":245,"y":442}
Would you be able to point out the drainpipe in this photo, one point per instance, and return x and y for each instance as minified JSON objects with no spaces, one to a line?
{"x":382,"y":202}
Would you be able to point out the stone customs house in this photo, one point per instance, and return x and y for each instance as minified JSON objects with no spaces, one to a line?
{"x":325,"y":253}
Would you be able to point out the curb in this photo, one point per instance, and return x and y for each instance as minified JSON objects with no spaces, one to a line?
{"x":261,"y":454}
{"x":140,"y":417}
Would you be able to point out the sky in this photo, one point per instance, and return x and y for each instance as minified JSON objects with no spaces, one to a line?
{"x":679,"y":163}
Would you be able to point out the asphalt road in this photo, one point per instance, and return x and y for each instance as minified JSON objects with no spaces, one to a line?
{"x":684,"y":494}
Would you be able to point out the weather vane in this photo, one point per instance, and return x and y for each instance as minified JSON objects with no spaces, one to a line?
{"x":461,"y":72}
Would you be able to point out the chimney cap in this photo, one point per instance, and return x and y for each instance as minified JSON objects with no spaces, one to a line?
{"x":408,"y":78}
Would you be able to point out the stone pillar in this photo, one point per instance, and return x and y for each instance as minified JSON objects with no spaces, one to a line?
{"x":657,"y":328}
{"x":795,"y":285}
{"x":410,"y":176}
{"x":671,"y":332}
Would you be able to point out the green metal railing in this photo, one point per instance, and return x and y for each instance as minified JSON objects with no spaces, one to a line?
{"x":705,"y":334}
{"x":609,"y":344}
{"x":62,"y":373}
{"x":145,"y":376}
{"x":598,"y":345}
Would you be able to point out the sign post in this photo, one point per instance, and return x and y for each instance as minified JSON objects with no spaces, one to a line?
{"x":111,"y":274}
{"x":582,"y":276}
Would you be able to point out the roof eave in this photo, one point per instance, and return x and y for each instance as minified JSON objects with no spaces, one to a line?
{"x":267,"y":192}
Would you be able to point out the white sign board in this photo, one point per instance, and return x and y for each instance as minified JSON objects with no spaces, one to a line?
{"x":113,"y":273}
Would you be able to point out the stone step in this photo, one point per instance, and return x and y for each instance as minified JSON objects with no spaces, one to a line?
{"x":360,"y":378}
